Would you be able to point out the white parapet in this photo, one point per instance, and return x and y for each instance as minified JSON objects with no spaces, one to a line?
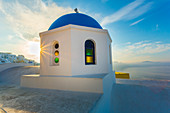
{"x":100,"y":83}
{"x":79,"y":83}
{"x":82,"y":83}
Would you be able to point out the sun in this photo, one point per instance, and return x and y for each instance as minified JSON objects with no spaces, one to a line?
{"x":34,"y":49}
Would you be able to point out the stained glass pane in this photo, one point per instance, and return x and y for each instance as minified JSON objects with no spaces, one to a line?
{"x":56,"y":60}
{"x":89,"y":59}
{"x":57,"y":46}
{"x":89,"y":51}
{"x":56,"y":53}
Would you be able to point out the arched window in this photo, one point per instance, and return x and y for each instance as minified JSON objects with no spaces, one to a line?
{"x":89,"y":52}
{"x":55,"y":53}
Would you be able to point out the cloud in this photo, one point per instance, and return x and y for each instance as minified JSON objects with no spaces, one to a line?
{"x":148,"y":47}
{"x":28,"y":18}
{"x":128,"y":12}
{"x":134,"y":23}
{"x":139,"y":51}
{"x":10,"y":37}
{"x":158,"y":42}
{"x":139,"y":11}
{"x":157,"y":26}
{"x":128,"y":43}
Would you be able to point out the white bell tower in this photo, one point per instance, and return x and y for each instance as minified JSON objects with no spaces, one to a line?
{"x":75,"y":56}
{"x":75,"y":50}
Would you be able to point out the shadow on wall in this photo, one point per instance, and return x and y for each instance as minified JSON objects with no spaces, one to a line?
{"x":103,"y":105}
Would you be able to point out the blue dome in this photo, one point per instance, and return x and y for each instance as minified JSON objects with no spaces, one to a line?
{"x":75,"y":19}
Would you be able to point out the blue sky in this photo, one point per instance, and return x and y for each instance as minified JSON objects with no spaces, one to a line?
{"x":140,"y":29}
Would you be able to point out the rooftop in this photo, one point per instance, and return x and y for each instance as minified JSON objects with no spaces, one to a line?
{"x":75,"y":19}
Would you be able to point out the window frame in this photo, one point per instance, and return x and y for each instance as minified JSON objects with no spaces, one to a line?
{"x":94,"y":51}
{"x":53,"y":63}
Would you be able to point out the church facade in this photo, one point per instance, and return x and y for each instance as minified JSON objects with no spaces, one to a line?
{"x":75,"y":55}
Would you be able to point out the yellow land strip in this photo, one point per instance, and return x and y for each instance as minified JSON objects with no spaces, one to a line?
{"x":122,"y":75}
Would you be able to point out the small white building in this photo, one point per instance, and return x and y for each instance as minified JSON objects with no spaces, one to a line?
{"x":12,"y":58}
{"x":4,"y":57}
{"x":75,"y":55}
{"x":20,"y":57}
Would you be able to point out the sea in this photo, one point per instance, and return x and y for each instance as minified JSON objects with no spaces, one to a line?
{"x":145,"y":70}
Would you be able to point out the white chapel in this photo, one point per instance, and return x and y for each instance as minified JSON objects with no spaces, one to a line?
{"x":75,"y":56}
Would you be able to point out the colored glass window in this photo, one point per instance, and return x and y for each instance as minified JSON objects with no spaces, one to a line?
{"x":56,"y":60}
{"x":57,"y":46}
{"x":56,"y":53}
{"x":89,"y":59}
{"x":89,"y":52}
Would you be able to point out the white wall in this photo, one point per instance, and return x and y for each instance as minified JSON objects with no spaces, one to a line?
{"x":47,"y":39}
{"x":71,"y":40}
{"x":104,"y":104}
{"x":109,"y":43}
{"x":79,"y":84}
{"x":78,"y":37}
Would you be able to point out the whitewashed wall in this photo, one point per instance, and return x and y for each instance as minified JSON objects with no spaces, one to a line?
{"x":71,"y":40}
{"x":47,"y":39}
{"x":78,"y":38}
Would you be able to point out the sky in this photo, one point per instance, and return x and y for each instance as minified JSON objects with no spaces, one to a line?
{"x":140,"y":29}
